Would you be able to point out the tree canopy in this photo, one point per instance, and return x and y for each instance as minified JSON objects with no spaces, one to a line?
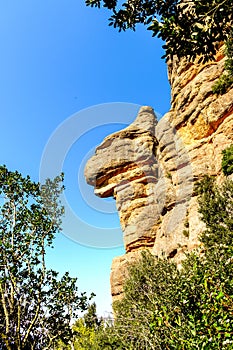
{"x":189,"y":28}
{"x":227,"y":160}
{"x":36,"y":306}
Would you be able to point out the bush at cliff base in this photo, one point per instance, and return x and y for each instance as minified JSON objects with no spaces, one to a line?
{"x":188,"y":308}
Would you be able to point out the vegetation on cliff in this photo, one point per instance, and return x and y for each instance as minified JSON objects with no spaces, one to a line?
{"x":189,"y":28}
{"x":226,"y":79}
{"x":227,"y":160}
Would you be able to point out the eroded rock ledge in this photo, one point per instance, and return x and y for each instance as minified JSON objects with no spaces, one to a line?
{"x":150,"y":167}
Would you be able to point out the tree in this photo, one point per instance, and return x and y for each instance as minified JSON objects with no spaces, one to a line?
{"x":189,"y":28}
{"x":164,"y":307}
{"x":90,"y":317}
{"x":36,"y":307}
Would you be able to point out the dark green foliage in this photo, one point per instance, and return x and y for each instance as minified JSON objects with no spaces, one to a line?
{"x":229,"y":53}
{"x":216,"y":208}
{"x":36,"y":307}
{"x":90,"y":318}
{"x":227,"y":161}
{"x":189,"y":308}
{"x":87,"y":332}
{"x":189,"y":28}
{"x":226,"y":80}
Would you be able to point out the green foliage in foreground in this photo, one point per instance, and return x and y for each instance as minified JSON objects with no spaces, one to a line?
{"x":86,"y":332}
{"x":189,"y":308}
{"x":36,"y":307}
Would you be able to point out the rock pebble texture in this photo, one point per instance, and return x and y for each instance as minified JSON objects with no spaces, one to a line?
{"x":150,"y":167}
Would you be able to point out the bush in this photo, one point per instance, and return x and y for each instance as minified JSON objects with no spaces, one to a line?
{"x":189,"y":308}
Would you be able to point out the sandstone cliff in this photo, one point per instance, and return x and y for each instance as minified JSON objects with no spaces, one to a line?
{"x":150,"y":167}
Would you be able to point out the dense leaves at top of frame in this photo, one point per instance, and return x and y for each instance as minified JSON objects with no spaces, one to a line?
{"x":189,"y":28}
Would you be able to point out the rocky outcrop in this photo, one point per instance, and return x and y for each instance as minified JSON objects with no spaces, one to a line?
{"x":125,"y":167}
{"x":150,"y":168}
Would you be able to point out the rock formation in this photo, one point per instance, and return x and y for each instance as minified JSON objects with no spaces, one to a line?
{"x":150,"y":167}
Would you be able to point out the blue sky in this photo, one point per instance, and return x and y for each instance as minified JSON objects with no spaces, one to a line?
{"x":59,"y":59}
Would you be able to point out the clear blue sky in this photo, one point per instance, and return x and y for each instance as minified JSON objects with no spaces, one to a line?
{"x":57,"y":59}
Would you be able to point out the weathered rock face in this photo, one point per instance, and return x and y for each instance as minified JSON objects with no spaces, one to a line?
{"x":125,"y":167}
{"x":150,"y":168}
